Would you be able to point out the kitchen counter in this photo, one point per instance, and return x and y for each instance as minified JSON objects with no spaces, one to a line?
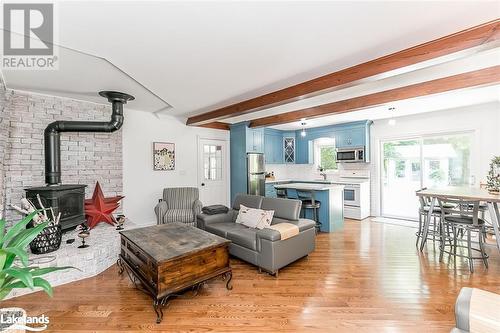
{"x":309,"y":186}
{"x":320,"y":181}
{"x":331,"y":198}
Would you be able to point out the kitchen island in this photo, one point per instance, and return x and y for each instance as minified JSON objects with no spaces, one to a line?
{"x":331,"y":196}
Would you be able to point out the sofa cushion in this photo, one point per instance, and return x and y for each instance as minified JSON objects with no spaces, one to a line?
{"x":288,"y":209}
{"x":245,"y":237}
{"x":221,"y":229}
{"x":179,"y":215}
{"x":252,"y":201}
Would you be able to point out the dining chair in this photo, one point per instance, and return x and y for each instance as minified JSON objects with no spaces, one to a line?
{"x":434,"y":223}
{"x":309,"y":201}
{"x":462,"y":216}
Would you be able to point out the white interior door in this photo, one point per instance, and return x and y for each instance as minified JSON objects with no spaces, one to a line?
{"x":212,"y":171}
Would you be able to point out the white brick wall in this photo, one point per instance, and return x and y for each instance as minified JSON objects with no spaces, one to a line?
{"x":85,"y":157}
{"x":4,"y":130}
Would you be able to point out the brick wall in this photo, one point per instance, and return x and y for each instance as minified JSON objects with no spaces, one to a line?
{"x":4,"y":133}
{"x":85,"y":157}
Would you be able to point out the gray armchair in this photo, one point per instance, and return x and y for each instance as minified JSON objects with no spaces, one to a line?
{"x":179,"y":204}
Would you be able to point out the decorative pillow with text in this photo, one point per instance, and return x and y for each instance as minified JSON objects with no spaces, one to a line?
{"x":254,"y":218}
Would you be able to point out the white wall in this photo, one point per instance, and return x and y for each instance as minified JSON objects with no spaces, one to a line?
{"x":482,"y":119}
{"x":142,"y":186}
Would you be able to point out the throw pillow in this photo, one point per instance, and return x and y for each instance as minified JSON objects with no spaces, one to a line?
{"x":266,"y":220}
{"x":254,"y":218}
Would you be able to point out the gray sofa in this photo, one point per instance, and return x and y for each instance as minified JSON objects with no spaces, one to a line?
{"x":263,"y":248}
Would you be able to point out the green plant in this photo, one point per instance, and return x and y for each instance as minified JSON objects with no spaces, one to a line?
{"x":13,"y":245}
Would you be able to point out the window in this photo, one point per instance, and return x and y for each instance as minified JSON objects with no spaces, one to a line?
{"x":212,"y":162}
{"x":325,"y":153}
{"x":328,"y":158}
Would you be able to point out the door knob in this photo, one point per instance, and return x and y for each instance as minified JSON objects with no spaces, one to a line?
{"x":202,"y":184}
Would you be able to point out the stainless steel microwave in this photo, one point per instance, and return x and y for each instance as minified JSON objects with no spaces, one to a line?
{"x":351,"y":155}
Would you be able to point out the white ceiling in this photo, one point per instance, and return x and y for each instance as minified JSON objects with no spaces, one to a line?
{"x":201,"y":55}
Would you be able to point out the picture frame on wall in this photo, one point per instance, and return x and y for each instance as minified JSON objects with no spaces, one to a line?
{"x":163,"y":156}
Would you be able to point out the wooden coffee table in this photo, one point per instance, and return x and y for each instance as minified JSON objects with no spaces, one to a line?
{"x":165,"y":260}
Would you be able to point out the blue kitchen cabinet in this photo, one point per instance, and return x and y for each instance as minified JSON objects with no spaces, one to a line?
{"x":304,"y":153}
{"x":238,"y":159}
{"x":350,"y":137}
{"x":271,"y":191}
{"x":273,"y":150}
{"x":255,"y":140}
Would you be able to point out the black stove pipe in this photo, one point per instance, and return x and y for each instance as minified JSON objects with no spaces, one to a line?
{"x":53,"y":130}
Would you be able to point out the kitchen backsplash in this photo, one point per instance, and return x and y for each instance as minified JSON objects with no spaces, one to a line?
{"x":307,"y":171}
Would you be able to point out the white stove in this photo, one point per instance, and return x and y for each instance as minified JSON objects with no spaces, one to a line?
{"x":356,"y":192}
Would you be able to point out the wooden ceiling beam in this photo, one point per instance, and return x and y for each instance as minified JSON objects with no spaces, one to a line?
{"x":374,"y":69}
{"x":216,"y":125}
{"x":482,"y":77}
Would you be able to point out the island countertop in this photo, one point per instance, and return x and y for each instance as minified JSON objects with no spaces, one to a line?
{"x":310,"y":186}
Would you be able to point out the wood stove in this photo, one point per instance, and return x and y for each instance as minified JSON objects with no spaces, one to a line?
{"x":69,"y":199}
{"x":65,"y":199}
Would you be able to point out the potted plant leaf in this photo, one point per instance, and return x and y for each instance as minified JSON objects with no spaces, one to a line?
{"x":13,"y":244}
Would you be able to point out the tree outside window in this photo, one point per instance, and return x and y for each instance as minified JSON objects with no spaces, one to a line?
{"x":328,"y":158}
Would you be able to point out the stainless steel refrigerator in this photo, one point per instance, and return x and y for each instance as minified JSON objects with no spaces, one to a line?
{"x":256,"y":174}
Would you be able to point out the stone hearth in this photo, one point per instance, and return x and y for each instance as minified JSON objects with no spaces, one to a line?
{"x":102,"y":253}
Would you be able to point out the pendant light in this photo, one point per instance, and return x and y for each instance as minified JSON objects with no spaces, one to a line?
{"x":392,"y":121}
{"x":303,"y":132}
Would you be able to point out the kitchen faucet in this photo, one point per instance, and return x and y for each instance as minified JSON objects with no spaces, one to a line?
{"x":322,"y":172}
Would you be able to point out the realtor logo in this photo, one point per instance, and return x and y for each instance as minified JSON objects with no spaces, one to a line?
{"x":28,"y":36}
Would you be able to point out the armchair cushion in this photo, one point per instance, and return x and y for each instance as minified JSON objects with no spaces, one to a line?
{"x":179,"y":215}
{"x":180,"y":197}
{"x":179,"y":204}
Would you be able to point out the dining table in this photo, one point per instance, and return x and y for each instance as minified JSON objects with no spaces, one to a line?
{"x":464,"y":193}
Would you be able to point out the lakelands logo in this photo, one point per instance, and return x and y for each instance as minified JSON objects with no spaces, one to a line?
{"x":15,"y":320}
{"x":28,"y":36}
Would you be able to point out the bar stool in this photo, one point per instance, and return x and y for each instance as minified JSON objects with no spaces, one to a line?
{"x":462,"y":218}
{"x":281,"y":193}
{"x":309,"y":202}
{"x":434,"y":224}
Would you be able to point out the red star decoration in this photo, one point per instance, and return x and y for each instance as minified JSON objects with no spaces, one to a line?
{"x":100,"y":209}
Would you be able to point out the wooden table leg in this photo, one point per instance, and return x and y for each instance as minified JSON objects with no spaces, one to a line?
{"x":495,"y":220}
{"x":120,"y":266}
{"x":229,"y":277}
{"x":427,"y":222}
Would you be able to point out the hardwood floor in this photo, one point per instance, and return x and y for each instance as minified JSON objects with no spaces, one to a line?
{"x":367,"y":278}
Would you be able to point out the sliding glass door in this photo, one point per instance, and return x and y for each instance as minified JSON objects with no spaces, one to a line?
{"x":426,"y":161}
